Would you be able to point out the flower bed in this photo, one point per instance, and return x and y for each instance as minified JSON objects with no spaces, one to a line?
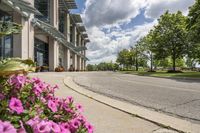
{"x":29,"y":105}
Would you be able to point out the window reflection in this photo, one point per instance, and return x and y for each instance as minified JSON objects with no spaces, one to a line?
{"x":44,"y":7}
{"x":41,"y":53}
{"x":6,"y":44}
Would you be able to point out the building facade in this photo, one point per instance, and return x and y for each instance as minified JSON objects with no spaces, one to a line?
{"x":51,"y":35}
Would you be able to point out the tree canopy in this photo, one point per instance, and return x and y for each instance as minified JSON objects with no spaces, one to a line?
{"x":170,"y":37}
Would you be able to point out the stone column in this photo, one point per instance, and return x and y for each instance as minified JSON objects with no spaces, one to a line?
{"x":74,"y":40}
{"x":75,"y":62}
{"x":67,"y":27}
{"x":74,"y":34}
{"x":68,"y":59}
{"x":53,"y":54}
{"x":67,"y":34}
{"x":54,"y":8}
{"x":53,"y":44}
{"x":23,"y":43}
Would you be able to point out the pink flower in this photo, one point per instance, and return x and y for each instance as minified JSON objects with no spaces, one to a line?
{"x":42,"y":127}
{"x":37,"y":90}
{"x":55,"y":127}
{"x":6,"y":127}
{"x":16,"y":105}
{"x":33,"y":122}
{"x":65,"y":128}
{"x":43,"y":99}
{"x":79,"y":107}
{"x":82,"y":118}
{"x":75,"y":123}
{"x":89,"y":127}
{"x":70,"y":99}
{"x":36,"y":80}
{"x":52,"y":105}
{"x":17,"y":81}
{"x":22,"y":129}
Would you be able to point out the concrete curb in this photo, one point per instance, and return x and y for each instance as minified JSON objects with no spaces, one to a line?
{"x":152,"y":116}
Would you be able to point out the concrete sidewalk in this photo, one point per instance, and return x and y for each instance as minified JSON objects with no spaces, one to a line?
{"x":104,"y":118}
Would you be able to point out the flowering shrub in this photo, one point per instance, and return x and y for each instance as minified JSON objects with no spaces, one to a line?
{"x":29,"y":105}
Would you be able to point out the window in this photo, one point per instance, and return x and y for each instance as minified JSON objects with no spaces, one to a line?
{"x":71,"y":34}
{"x":44,"y":7}
{"x":6,"y":42}
{"x":41,"y":51}
{"x":61,"y":22}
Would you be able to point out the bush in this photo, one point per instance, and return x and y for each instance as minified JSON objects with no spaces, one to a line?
{"x":29,"y":105}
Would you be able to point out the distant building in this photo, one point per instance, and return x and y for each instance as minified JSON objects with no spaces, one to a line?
{"x":51,"y":36}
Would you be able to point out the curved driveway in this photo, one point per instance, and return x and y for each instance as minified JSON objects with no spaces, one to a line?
{"x":176,"y":97}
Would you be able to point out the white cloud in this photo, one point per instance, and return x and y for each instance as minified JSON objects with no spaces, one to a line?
{"x":155,"y":8}
{"x":104,"y":18}
{"x":109,"y":12}
{"x":104,"y":47}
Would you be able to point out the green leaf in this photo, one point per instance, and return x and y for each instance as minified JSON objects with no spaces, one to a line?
{"x":16,"y":66}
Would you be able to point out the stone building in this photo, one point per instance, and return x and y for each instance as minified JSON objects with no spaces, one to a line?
{"x":51,"y":35}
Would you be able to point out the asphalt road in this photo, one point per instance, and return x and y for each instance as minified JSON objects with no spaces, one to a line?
{"x":180,"y":98}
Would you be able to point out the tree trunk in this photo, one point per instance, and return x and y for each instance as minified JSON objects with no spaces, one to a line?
{"x":136,"y":60}
{"x":151,"y":62}
{"x":174,"y":61}
{"x":136,"y":64}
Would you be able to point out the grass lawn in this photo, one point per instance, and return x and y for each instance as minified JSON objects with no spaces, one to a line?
{"x":165,"y":74}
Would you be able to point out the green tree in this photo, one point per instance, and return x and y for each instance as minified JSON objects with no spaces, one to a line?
{"x":125,"y":58}
{"x":193,"y":21}
{"x":171,"y":37}
{"x":193,"y":26}
{"x":91,"y":67}
{"x":147,"y":45}
{"x":139,"y":54}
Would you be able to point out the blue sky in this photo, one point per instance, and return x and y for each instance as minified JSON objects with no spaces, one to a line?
{"x":113,"y":25}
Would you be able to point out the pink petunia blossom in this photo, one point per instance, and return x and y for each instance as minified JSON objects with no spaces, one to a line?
{"x":52,"y":105}
{"x":42,"y":127}
{"x":75,"y":123}
{"x":17,"y":81}
{"x":22,"y":129}
{"x":79,"y":107}
{"x":70,"y":99}
{"x":82,"y":118}
{"x":65,"y":128}
{"x":89,"y":127}
{"x":37,"y":90}
{"x":6,"y":127}
{"x":34,"y":121}
{"x":16,"y":105}
{"x":55,"y":127}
